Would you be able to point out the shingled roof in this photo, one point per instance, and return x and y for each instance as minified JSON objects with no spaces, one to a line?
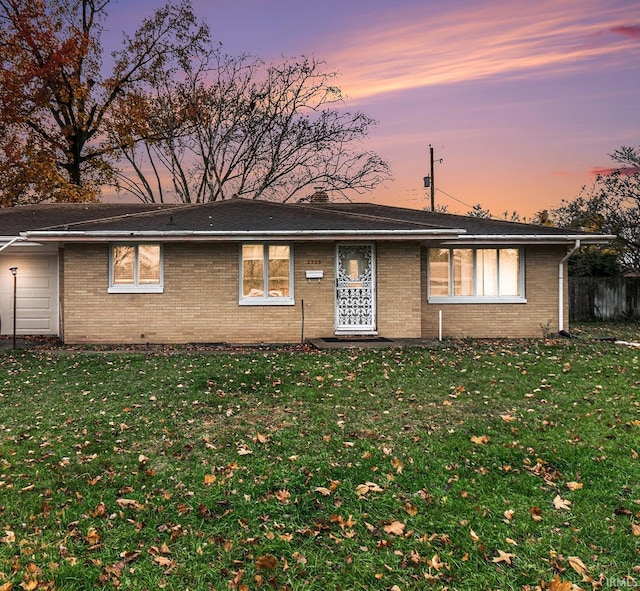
{"x":251,"y":219}
{"x":471,"y":225}
{"x":14,"y":220}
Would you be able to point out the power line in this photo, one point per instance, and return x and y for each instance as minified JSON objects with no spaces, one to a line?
{"x":454,"y":198}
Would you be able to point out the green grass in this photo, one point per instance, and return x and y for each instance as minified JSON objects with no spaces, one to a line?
{"x":342,"y":470}
{"x":623,"y":331}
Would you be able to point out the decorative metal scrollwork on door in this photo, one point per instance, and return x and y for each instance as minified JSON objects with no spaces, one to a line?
{"x":355,"y":295}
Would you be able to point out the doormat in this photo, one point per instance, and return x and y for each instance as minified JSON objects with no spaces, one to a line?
{"x":356,"y":340}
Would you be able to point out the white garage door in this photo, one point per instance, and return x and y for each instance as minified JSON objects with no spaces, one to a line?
{"x":37,"y":294}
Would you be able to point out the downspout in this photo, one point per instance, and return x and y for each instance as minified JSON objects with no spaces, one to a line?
{"x":12,"y":241}
{"x":576,"y":246}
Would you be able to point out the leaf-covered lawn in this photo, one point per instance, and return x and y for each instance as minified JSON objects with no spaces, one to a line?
{"x":510,"y":466}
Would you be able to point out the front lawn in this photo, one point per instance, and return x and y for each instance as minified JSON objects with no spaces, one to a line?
{"x":472,"y":466}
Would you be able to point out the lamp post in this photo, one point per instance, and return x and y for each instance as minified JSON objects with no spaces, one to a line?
{"x":14,"y":272}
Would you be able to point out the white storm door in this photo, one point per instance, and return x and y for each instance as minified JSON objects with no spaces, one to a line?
{"x":355,"y":289}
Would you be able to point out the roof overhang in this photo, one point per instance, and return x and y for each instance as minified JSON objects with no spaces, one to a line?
{"x":506,"y":239}
{"x":441,"y":236}
{"x":245,"y":235}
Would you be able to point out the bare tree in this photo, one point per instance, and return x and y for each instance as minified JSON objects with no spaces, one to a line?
{"x":238,"y":126}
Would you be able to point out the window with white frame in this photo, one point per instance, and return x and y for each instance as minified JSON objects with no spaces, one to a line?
{"x":135,"y":268}
{"x":476,"y":274}
{"x":266,"y":274}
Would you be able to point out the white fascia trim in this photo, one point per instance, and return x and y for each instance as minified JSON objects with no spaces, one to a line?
{"x":532,"y":238}
{"x":247,"y":235}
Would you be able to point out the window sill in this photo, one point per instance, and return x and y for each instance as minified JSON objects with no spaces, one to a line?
{"x":476,"y":300}
{"x":267,"y":302}
{"x":136,"y":289}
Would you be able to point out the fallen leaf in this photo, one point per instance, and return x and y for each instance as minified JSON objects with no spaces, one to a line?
{"x":480,"y":440}
{"x":560,"y":503}
{"x":8,"y":538}
{"x":129,"y":504}
{"x":410,"y":509}
{"x":283,"y":496}
{"x":209,"y":479}
{"x":262,"y":438}
{"x":396,"y":528}
{"x":436,"y":564}
{"x":162,"y":560}
{"x":503,"y":557}
{"x":536,"y":513}
{"x":267,"y":561}
{"x":130,"y":556}
{"x":635,"y":529}
{"x":325,"y":492}
{"x":557,"y":585}
{"x":507,"y":418}
{"x":509,"y":514}
{"x":299,"y":558}
{"x":363,"y":489}
{"x":577,"y":565}
{"x":237,"y":579}
{"x":99,"y":511}
{"x":574,"y":485}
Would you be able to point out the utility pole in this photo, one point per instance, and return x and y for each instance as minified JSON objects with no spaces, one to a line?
{"x":429,"y":182}
{"x":433,"y":184}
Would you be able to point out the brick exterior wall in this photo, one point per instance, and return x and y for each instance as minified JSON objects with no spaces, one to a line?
{"x":537,"y":318}
{"x":200,"y":299}
{"x":399,"y":289}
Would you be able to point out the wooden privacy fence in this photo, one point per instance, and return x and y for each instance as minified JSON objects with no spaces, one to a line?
{"x":604,"y":298}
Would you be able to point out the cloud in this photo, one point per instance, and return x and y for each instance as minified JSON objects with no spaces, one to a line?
{"x":599,"y":171}
{"x":473,"y":41}
{"x":628,"y":30}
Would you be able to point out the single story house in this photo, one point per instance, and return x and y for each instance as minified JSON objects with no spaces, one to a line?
{"x":245,"y":271}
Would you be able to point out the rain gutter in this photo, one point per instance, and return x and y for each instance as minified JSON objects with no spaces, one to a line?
{"x":536,"y":238}
{"x":192,"y":235}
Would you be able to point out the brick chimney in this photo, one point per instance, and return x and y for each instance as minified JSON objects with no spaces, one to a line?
{"x":320,"y":196}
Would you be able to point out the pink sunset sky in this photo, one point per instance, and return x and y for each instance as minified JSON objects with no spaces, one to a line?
{"x":522,"y":100}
